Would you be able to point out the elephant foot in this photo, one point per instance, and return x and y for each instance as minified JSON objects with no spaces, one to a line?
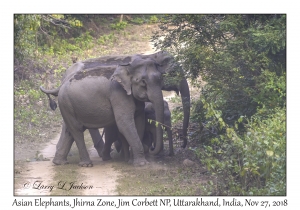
{"x":85,"y":164}
{"x":58,"y":161}
{"x":130,"y":161}
{"x":106,"y":157}
{"x":99,"y":152}
{"x":140,"y":162}
{"x":106,"y":154}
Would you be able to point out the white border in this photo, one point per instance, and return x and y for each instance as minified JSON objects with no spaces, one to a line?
{"x":154,"y":6}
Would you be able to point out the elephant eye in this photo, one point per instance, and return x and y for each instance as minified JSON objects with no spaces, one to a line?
{"x":144,"y":82}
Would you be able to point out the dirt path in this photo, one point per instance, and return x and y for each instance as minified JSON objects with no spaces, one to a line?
{"x":102,"y":176}
{"x":40,"y":174}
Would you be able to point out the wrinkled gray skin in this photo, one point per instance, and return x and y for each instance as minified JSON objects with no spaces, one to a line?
{"x":150,"y":127}
{"x":149,"y":138}
{"x":180,"y":86}
{"x":91,"y":98}
{"x":167,"y":65}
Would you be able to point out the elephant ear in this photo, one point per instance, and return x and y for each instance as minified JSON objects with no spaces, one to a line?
{"x":122,"y":76}
{"x":163,"y":64}
{"x":160,"y":68}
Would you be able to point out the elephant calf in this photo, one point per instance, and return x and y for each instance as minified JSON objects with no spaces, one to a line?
{"x":150,"y":127}
{"x":149,"y":138}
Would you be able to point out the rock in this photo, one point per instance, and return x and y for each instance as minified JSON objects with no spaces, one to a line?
{"x":188,"y":162}
{"x":114,"y":154}
{"x":39,"y":103}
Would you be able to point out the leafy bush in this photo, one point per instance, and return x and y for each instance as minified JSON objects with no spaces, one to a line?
{"x":141,"y":19}
{"x":25,"y":27}
{"x":138,"y":20}
{"x":107,"y":39}
{"x":241,"y":112}
{"x":246,"y":163}
{"x":153,"y":19}
{"x":31,"y":32}
{"x":119,"y":26}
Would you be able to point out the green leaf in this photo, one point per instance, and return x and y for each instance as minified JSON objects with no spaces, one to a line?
{"x":270,"y":153}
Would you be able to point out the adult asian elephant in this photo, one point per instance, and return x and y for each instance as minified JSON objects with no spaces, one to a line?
{"x":91,"y":97}
{"x":169,"y":83}
{"x":173,"y":80}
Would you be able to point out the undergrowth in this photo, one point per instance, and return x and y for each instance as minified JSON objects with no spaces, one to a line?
{"x":34,"y":121}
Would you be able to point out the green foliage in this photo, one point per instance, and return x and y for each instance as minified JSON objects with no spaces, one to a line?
{"x":62,"y":46}
{"x":119,"y":26}
{"x":177,"y":115}
{"x":25,"y":29}
{"x":153,"y":19}
{"x":30,"y":112}
{"x":141,"y":19}
{"x":107,"y":39}
{"x":59,"y":72}
{"x":242,"y":59}
{"x":138,"y":20}
{"x":177,"y":112}
{"x":32,"y":32}
{"x":248,"y":163}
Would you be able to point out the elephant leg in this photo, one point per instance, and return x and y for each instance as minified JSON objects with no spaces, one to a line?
{"x":140,"y":120}
{"x":97,"y":140}
{"x":127,"y":117}
{"x":147,"y":141}
{"x":85,"y":160}
{"x":76,"y":130}
{"x":111,"y":135}
{"x":125,"y":148}
{"x":132,"y":137}
{"x":118,"y":145}
{"x":171,"y":151}
{"x":140,"y":127}
{"x":63,"y":146}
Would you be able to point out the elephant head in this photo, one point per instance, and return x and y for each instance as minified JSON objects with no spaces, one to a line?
{"x":142,"y":78}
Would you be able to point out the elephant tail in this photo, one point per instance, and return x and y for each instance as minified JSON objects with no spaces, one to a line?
{"x":54,"y":92}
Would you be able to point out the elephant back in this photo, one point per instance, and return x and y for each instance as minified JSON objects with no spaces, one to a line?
{"x":98,"y":71}
{"x":106,"y":61}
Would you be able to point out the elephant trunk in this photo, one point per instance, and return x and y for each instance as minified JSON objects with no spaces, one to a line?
{"x":158,"y":105}
{"x":185,"y":98}
{"x":171,"y":150}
